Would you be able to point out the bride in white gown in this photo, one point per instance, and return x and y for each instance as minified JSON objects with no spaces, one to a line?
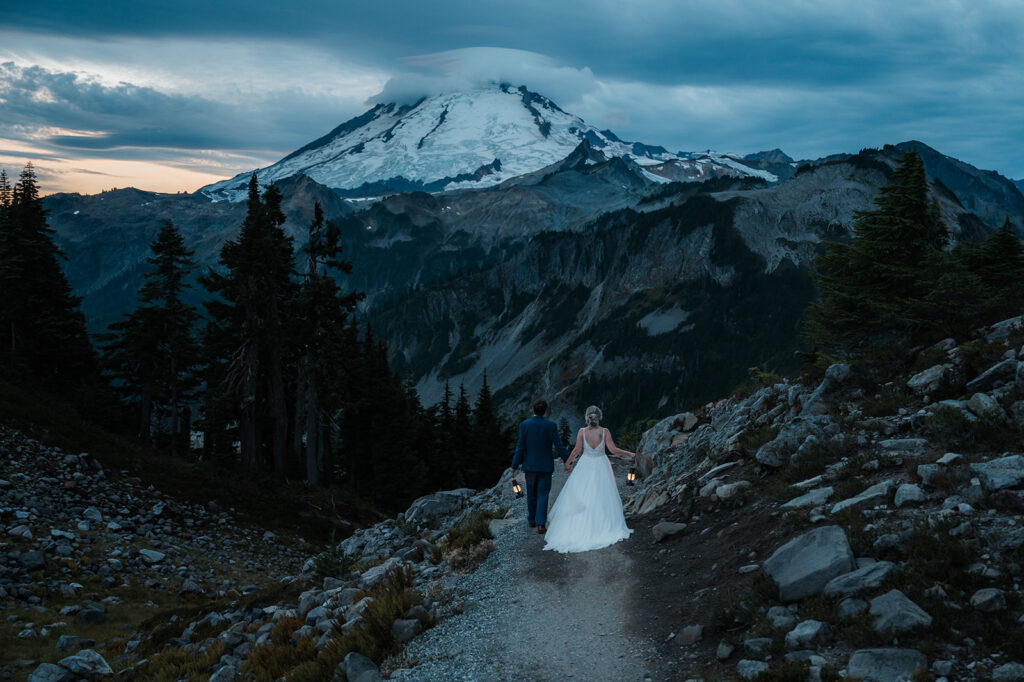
{"x":588,"y":512}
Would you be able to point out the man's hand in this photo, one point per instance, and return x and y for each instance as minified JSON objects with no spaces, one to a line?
{"x":568,"y":467}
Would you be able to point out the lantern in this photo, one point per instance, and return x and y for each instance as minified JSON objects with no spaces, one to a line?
{"x":631,"y":476}
{"x":517,"y":488}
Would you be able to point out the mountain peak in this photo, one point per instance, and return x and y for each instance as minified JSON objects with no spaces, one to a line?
{"x":465,"y":139}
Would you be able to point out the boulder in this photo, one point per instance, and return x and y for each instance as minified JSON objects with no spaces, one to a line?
{"x":664,"y":529}
{"x":68,"y":643}
{"x":777,"y":451}
{"x":819,"y":401}
{"x":87,"y":663}
{"x":372,"y":576}
{"x":804,"y":565}
{"x":985,"y":406}
{"x":909,"y":493}
{"x":814,"y":498}
{"x":879,"y":493}
{"x":1009,"y":672}
{"x":868,"y":577}
{"x":886,"y":665}
{"x":807,"y":633}
{"x":928,"y":472}
{"x":1004,"y":472}
{"x":997,"y":374}
{"x":757,"y":646}
{"x":48,"y":672}
{"x":405,"y":629}
{"x":431,"y":510}
{"x":731,"y":490}
{"x":92,"y":612}
{"x":894,"y":613}
{"x":989,"y":600}
{"x":359,"y":668}
{"x":929,"y":380}
{"x":749,"y":670}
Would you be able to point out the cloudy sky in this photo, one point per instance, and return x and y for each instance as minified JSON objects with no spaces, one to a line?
{"x":171,"y":96}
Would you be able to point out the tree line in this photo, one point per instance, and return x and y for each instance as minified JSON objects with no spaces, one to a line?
{"x":275,"y":372}
{"x":898,"y":280}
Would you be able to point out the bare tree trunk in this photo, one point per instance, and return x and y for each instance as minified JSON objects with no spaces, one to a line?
{"x":312,"y":434}
{"x":328,"y":456}
{"x":145,"y":415}
{"x":300,"y":407}
{"x":174,"y":407}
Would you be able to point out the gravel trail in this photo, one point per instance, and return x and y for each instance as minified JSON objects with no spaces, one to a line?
{"x":538,"y":615}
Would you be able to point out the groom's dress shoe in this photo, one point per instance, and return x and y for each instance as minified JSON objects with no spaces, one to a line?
{"x":542,"y":529}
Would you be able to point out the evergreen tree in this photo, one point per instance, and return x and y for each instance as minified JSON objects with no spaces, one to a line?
{"x":322,"y":312}
{"x":1000,"y":269}
{"x":565,"y":431}
{"x":490,"y":448}
{"x":259,"y":294}
{"x":153,"y":352}
{"x":879,"y":284}
{"x":465,"y":457}
{"x":42,"y":330}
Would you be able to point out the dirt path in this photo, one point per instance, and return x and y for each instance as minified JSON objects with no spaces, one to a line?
{"x":539,"y":615}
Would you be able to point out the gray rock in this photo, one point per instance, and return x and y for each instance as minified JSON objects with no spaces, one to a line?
{"x":943,"y":668}
{"x":1004,"y":472}
{"x":748,"y":669}
{"x":496,"y":526}
{"x":691,"y":634}
{"x":985,"y":406}
{"x":989,"y":600}
{"x":151,"y":556}
{"x":1009,"y":672}
{"x":92,"y":514}
{"x":731,"y":490}
{"x":886,"y":665}
{"x":928,"y":472}
{"x":806,"y":633}
{"x":894,"y":613}
{"x":929,"y":380}
{"x":359,"y":668}
{"x":32,"y":561}
{"x":757,"y":646}
{"x":776,"y":452}
{"x":431,"y":510}
{"x":405,"y":629}
{"x":48,"y":672}
{"x":87,"y":663}
{"x":68,"y":643}
{"x":724,"y":650}
{"x":877,"y":494}
{"x":664,"y":529}
{"x":914,"y":447}
{"x":869,"y":577}
{"x":999,"y":373}
{"x":820,"y":401}
{"x":225,"y":673}
{"x":91,"y":612}
{"x":372,"y":576}
{"x":814,"y":498}
{"x":781,"y":617}
{"x":802,"y":567}
{"x":850,"y":608}
{"x":950,"y":459}
{"x":909,"y":493}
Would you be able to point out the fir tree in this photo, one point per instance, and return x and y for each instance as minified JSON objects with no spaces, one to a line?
{"x":153,"y":352}
{"x":1000,"y":269}
{"x":490,"y":448}
{"x":322,"y":311}
{"x":42,"y":330}
{"x":879,"y":284}
{"x":565,"y":431}
{"x":259,"y":292}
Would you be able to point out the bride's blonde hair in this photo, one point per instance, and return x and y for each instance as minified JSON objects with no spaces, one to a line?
{"x":593,"y":415}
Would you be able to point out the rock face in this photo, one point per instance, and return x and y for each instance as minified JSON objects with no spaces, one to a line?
{"x":803,"y":566}
{"x":886,"y":665}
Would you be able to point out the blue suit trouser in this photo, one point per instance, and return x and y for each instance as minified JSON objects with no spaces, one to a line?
{"x":538,"y":487}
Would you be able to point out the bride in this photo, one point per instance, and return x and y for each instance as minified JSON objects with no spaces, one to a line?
{"x":588,"y":512}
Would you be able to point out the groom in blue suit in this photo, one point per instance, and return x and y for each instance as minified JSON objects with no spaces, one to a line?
{"x":537,"y":436}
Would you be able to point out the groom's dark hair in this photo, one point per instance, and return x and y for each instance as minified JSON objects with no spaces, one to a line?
{"x":540,"y":407}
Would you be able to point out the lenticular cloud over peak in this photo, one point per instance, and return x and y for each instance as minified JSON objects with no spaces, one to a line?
{"x":459,"y":70}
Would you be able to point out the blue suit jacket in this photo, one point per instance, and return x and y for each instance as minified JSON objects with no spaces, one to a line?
{"x":537,"y":436}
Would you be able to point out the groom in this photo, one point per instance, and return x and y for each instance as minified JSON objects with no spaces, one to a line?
{"x":537,"y":436}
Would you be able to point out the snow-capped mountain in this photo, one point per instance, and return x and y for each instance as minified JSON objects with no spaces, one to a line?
{"x":474,"y":138}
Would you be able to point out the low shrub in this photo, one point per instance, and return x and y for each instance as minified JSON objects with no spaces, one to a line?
{"x":472,"y":531}
{"x":333,"y":562}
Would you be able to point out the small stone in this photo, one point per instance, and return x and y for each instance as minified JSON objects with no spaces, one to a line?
{"x":225,"y":673}
{"x":885,"y":665}
{"x":359,"y":668}
{"x":48,"y":672}
{"x":691,"y":634}
{"x":814,"y":498}
{"x":92,"y":514}
{"x":807,"y":632}
{"x":724,"y":651}
{"x":68,"y":643}
{"x":87,"y":663}
{"x":909,"y":493}
{"x":757,"y":646}
{"x":151,"y":556}
{"x":1009,"y":672}
{"x":665,"y":529}
{"x":781,"y":617}
{"x":950,"y":459}
{"x":405,"y":629}
{"x":850,"y":608}
{"x":894,"y":613}
{"x":865,"y":578}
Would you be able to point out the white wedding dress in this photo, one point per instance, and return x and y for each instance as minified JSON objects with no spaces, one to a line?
{"x":588,"y":512}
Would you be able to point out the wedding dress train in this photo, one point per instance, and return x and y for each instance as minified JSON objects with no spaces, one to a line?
{"x":588,"y":512}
